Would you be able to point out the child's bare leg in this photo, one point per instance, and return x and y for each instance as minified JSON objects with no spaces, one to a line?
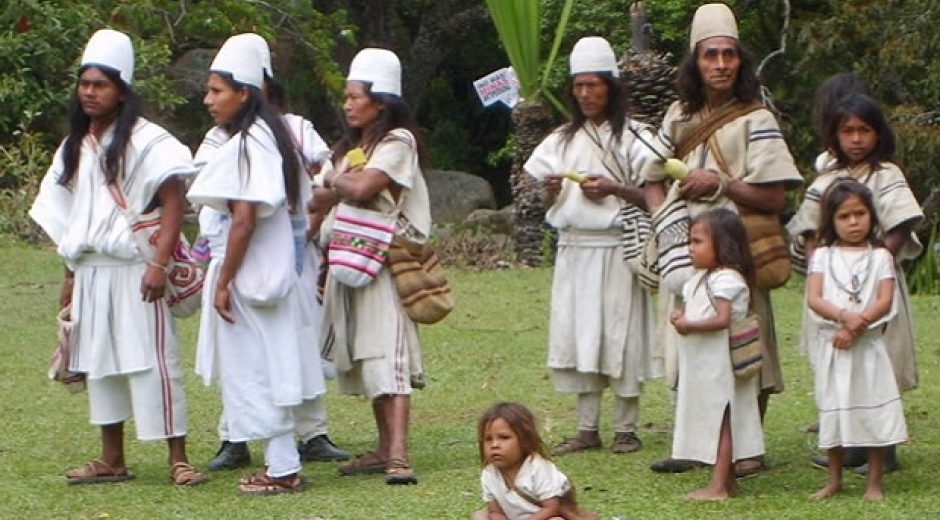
{"x":480,"y":515}
{"x":876,"y":469}
{"x":834,"y":485}
{"x":723,"y":471}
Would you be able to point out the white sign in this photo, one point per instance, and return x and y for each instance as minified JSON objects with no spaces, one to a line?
{"x":500,"y":86}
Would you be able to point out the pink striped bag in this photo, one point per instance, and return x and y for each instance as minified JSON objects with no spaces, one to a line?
{"x":359,"y":244}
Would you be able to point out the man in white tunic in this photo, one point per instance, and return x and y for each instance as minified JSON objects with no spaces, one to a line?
{"x":124,"y":336}
{"x":744,"y":162}
{"x":601,"y":323}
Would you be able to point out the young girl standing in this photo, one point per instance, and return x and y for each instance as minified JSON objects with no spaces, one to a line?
{"x":717,"y":417}
{"x":850,"y":289}
{"x":519,"y":481}
{"x":863,"y":146}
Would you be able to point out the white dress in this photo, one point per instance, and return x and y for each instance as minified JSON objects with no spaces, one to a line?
{"x":538,"y":480}
{"x":708,"y":384}
{"x":601,"y":326}
{"x":258,"y":358}
{"x":856,"y":391}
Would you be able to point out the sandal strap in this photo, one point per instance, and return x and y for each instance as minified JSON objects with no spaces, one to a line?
{"x":90,"y":469}
{"x":183,"y":473}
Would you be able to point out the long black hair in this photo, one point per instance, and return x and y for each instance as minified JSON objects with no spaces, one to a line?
{"x":869,"y":111}
{"x":617,"y":107}
{"x":79,"y":122}
{"x":826,"y":99}
{"x":255,"y":107}
{"x":729,"y":242}
{"x":395,"y":113}
{"x":691,"y":86}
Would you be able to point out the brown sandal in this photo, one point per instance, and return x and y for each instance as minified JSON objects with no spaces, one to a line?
{"x":184,"y":474}
{"x":574,"y":445}
{"x":97,"y":472}
{"x":399,"y":473}
{"x":262,"y":484}
{"x":368,"y":463}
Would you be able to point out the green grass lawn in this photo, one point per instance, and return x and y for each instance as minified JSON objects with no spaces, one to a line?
{"x":491,"y":348}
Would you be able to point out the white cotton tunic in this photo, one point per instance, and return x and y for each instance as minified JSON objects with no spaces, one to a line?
{"x":373,"y":344}
{"x":895,"y":205}
{"x":115,"y":332}
{"x":708,"y":385}
{"x":538,"y":479}
{"x":601,"y":321}
{"x":258,"y":359}
{"x":856,"y":392}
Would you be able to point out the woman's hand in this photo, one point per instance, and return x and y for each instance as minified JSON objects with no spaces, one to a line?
{"x":153,"y":284}
{"x":596,"y":187}
{"x":700,"y":183}
{"x":223,"y":304}
{"x":842,"y":339}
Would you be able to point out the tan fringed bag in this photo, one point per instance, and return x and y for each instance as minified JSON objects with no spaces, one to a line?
{"x":420,"y":282}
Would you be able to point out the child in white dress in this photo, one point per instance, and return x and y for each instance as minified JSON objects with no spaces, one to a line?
{"x":519,"y":480}
{"x":850,"y":289}
{"x":717,"y":417}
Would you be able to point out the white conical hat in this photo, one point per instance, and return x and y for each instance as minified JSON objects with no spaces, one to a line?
{"x":593,"y":55}
{"x":260,"y":45}
{"x":239,"y":58}
{"x":380,"y":67}
{"x":111,"y":49}
{"x":712,"y":20}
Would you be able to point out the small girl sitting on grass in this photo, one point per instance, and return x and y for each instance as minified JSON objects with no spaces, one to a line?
{"x":519,"y":480}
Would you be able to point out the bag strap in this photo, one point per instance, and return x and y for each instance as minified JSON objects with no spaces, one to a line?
{"x":132,"y":217}
{"x":606,"y":156}
{"x":712,"y":123}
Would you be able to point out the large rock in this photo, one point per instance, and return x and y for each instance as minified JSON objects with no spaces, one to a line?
{"x":455,"y":195}
{"x":489,"y":221}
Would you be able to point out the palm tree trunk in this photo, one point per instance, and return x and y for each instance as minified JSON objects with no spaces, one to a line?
{"x":533,"y":239}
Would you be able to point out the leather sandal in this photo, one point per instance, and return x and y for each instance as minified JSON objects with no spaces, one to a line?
{"x":574,"y":445}
{"x":184,"y":474}
{"x":262,"y":484}
{"x":366,"y":464}
{"x":97,"y":472}
{"x":399,"y":473}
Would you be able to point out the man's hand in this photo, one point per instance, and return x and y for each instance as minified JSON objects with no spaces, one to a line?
{"x":700,"y":183}
{"x":153,"y":284}
{"x":597,"y":187}
{"x":552,"y":185}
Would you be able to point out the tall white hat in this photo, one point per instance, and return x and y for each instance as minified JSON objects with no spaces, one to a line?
{"x":593,"y":55}
{"x":260,"y":45}
{"x":113,"y":50}
{"x":380,"y":67}
{"x":239,"y":57}
{"x":712,"y":20}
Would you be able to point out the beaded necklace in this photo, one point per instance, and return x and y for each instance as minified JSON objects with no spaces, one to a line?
{"x":858,"y":272}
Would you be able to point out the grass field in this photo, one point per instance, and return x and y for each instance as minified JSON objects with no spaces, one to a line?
{"x":492,"y":348}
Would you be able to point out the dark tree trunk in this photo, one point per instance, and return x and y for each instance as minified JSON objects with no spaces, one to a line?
{"x":639,"y":27}
{"x":532,"y":238}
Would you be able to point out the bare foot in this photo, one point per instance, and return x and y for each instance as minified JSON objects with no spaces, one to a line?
{"x":732,"y":487}
{"x":826,"y":492}
{"x":873,"y":495}
{"x":708,"y":494}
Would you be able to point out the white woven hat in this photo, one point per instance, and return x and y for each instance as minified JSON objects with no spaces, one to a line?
{"x":712,"y":20}
{"x":593,"y":55}
{"x":380,"y":67}
{"x":113,"y":50}
{"x":239,"y":57}
{"x":260,"y":45}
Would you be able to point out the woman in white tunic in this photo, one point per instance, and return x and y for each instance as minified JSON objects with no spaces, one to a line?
{"x":366,"y":332}
{"x":248,"y":337}
{"x":717,"y":416}
{"x":851,"y":293}
{"x":601,"y":324}
{"x":124,"y":338}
